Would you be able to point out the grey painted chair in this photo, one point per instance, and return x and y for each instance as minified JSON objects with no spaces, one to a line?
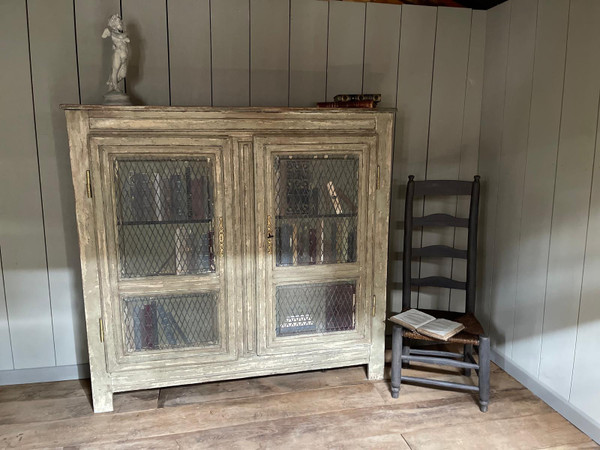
{"x":472,"y":336}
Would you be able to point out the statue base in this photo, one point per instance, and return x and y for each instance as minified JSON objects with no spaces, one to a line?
{"x":116,"y":98}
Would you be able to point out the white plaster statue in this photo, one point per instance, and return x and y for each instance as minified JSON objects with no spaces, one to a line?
{"x":120,"y":59}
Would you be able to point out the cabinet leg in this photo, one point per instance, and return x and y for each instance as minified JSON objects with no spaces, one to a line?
{"x":102,"y":399}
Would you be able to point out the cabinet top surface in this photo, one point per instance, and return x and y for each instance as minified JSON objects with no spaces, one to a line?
{"x":248,"y":109}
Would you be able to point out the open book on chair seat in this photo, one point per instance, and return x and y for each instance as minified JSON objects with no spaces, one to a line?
{"x":427,"y":325}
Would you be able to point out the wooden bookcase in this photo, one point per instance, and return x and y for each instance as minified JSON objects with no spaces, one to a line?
{"x":229,"y":243}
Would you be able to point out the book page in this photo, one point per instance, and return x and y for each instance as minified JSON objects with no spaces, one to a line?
{"x":413,"y":318}
{"x":441,"y":328}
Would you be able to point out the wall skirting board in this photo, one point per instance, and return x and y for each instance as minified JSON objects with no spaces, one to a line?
{"x":44,"y":374}
{"x":573,"y":414}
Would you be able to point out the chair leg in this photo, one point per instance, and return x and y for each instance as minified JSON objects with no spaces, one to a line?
{"x":396,"y":360}
{"x":467,"y":350}
{"x":405,"y":352}
{"x":484,"y":373}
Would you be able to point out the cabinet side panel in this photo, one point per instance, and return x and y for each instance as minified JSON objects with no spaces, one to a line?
{"x":77,"y":127}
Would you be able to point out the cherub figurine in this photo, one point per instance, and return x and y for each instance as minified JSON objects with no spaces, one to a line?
{"x":120,"y":45}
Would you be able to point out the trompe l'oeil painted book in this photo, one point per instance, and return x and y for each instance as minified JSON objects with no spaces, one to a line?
{"x":427,"y":325}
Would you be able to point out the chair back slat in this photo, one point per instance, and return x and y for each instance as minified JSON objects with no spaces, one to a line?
{"x":439,"y":251}
{"x":440,"y":188}
{"x":440,"y":220}
{"x":442,"y":282}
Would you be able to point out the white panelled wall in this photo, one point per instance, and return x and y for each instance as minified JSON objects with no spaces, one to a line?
{"x":427,"y":62}
{"x":539,"y":248}
{"x":526,"y":72}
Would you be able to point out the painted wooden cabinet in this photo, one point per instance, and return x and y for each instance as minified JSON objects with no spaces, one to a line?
{"x":229,"y":243}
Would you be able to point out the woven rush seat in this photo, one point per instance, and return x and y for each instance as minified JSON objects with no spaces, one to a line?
{"x":470,"y":335}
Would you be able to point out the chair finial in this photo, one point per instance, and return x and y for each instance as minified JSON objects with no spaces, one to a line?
{"x":411,"y":178}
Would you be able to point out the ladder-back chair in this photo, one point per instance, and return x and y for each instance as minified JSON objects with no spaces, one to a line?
{"x":473,"y":335}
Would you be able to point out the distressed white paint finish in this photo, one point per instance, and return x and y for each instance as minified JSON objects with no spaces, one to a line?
{"x":112,"y":369}
{"x":189,"y":52}
{"x":445,"y":135}
{"x":538,"y":188}
{"x":148,"y":74}
{"x":54,"y":71}
{"x":515,"y":134}
{"x":21,"y":230}
{"x":345,"y":48}
{"x":492,"y":120}
{"x":230,"y":52}
{"x":415,"y":71}
{"x":382,"y":36}
{"x":269,"y":65}
{"x":572,"y":196}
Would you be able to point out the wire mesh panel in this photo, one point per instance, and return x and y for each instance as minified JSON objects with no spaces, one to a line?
{"x":315,"y":308}
{"x":316,"y":204}
{"x":170,"y":321}
{"x":164,"y":216}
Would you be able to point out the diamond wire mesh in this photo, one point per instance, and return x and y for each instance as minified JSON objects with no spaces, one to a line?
{"x":170,"y":321}
{"x":315,"y":308}
{"x":316,"y":202}
{"x":164,"y":216}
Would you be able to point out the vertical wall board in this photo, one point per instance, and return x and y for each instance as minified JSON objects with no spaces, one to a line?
{"x":6,"y":357}
{"x":345,"y":48}
{"x":382,"y":36}
{"x":93,"y":53}
{"x":538,"y":189}
{"x":490,"y":144}
{"x":54,"y":75}
{"x":189,"y":52}
{"x":230,"y":52}
{"x":269,"y":64}
{"x":21,"y":227}
{"x":572,"y":195}
{"x":519,"y":78}
{"x":148,"y":71}
{"x":308,"y":51}
{"x":469,"y":147}
{"x":585,"y":389}
{"x":445,"y":134}
{"x":415,"y":71}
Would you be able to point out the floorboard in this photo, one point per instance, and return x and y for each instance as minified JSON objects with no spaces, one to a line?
{"x":336,"y":408}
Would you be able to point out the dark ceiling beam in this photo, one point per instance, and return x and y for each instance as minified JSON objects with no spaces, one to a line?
{"x":474,"y":4}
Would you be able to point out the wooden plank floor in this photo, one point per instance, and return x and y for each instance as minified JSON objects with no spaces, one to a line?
{"x":324,"y":409}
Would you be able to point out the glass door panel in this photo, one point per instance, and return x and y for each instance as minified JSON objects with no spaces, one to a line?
{"x":315,"y":308}
{"x":165,"y":214}
{"x":316,"y":207}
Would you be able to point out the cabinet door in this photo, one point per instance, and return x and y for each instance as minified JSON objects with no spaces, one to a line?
{"x":162,"y":212}
{"x":314,"y":224}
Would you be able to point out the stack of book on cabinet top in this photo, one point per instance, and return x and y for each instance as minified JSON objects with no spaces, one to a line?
{"x":352,"y":101}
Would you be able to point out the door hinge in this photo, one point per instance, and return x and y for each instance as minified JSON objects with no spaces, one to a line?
{"x":101,"y":330}
{"x":378,"y":184}
{"x":374,"y":306}
{"x":88,"y":183}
